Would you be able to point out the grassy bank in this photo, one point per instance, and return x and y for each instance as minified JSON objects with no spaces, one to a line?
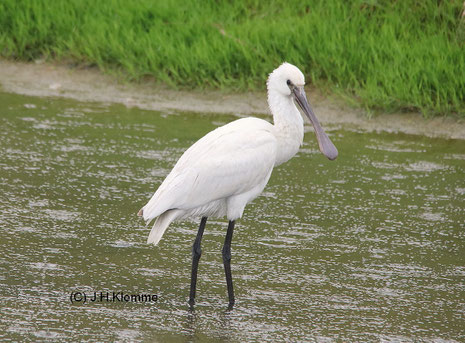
{"x":382,"y":55}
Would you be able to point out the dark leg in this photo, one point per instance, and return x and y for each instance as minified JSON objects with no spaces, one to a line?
{"x":196,"y":253}
{"x":227,"y":262}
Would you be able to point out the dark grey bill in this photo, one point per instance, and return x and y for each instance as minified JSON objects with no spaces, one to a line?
{"x":327,"y":147}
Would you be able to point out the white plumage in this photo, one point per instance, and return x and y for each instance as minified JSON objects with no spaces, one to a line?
{"x":230,"y":166}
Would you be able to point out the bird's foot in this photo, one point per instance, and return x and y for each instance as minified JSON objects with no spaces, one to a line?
{"x":231,"y":305}
{"x":191,"y":304}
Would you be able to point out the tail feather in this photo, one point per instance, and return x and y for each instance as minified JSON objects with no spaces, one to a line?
{"x":160,"y":225}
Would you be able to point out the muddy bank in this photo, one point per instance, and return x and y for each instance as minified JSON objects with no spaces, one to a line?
{"x":45,"y":79}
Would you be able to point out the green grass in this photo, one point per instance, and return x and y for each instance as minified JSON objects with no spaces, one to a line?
{"x":380,"y":55}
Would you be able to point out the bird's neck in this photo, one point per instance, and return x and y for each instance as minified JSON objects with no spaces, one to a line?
{"x":288,"y":123}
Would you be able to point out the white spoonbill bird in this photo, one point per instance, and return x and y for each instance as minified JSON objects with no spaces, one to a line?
{"x":230,"y":166}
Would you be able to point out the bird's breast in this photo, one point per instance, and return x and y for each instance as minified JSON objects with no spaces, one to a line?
{"x":289,"y":141}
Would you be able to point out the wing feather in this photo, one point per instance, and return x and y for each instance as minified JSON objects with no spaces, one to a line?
{"x":227,"y":161}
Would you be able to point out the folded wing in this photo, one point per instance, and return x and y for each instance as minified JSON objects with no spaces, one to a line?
{"x":228,"y":161}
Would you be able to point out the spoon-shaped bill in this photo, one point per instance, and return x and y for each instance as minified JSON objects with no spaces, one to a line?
{"x":327,"y":147}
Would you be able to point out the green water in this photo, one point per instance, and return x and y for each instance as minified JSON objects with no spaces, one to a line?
{"x":370,"y":247}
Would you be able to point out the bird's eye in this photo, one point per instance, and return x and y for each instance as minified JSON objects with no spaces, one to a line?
{"x":288,"y":82}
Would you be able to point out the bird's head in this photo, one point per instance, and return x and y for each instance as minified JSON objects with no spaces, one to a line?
{"x":288,"y":81}
{"x":285,"y":76}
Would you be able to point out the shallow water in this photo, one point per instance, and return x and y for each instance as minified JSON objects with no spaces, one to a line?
{"x":370,"y":247}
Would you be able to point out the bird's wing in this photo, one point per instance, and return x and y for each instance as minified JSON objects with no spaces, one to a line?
{"x":227,"y":161}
